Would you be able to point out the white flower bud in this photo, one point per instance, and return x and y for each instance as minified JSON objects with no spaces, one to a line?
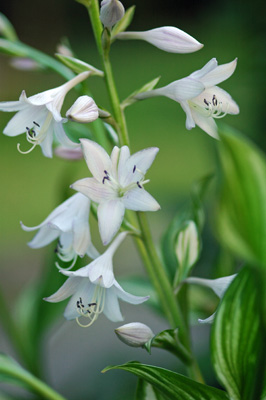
{"x":111,"y":12}
{"x":187,"y":247}
{"x":84,"y":110}
{"x":167,"y":38}
{"x":134,"y":334}
{"x":69,"y":153}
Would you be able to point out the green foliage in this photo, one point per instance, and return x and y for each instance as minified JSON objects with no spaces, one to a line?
{"x":145,"y":391}
{"x":238,"y":339}
{"x":77,"y":65}
{"x":241,"y":212}
{"x":131,"y":99}
{"x":171,"y":385}
{"x":7,"y":29}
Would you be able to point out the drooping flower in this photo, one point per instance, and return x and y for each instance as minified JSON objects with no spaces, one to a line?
{"x":219,"y":287}
{"x":134,"y":334}
{"x":70,"y":223}
{"x":111,"y":12}
{"x":39,"y":116}
{"x":84,"y":110}
{"x":167,"y":38}
{"x":117,"y":184}
{"x":94,"y":290}
{"x":199,"y":96}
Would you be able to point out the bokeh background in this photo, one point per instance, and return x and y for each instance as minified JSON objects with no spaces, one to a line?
{"x":31,"y":185}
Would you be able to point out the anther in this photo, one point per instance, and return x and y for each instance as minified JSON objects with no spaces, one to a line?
{"x":134,"y":169}
{"x":139,"y":185}
{"x":214,"y":100}
{"x":206,"y":102}
{"x":35,"y":123}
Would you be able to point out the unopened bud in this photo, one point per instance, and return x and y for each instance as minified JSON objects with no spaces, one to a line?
{"x":111,"y":12}
{"x":69,"y":154}
{"x":167,"y":38}
{"x":187,"y":246}
{"x":134,"y":334}
{"x":84,"y":110}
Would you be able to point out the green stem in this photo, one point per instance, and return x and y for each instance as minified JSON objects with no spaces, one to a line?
{"x":93,"y":9}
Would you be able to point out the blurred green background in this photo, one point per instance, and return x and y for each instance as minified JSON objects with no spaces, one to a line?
{"x":31,"y":185}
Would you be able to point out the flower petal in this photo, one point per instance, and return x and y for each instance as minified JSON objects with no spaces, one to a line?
{"x":66,"y":290}
{"x":94,"y":190}
{"x":207,"y":124}
{"x":211,"y":65}
{"x":183,"y":89}
{"x":85,"y":291}
{"x":111,"y":306}
{"x":127,"y":297}
{"x":45,"y":236}
{"x":140,"y":200}
{"x":139,"y":162}
{"x":228,"y":105}
{"x":84,"y":110}
{"x":219,"y":74}
{"x":62,"y":136}
{"x":47,"y":144}
{"x":208,"y":320}
{"x":110,"y":217}
{"x":96,"y":158}
{"x":23,"y":119}
{"x":190,"y":123}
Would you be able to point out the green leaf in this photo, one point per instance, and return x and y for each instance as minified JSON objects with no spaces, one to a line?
{"x":20,"y":49}
{"x":124,"y":22}
{"x":6,"y":29}
{"x":77,"y":65}
{"x":145,"y":391}
{"x":12,"y":372}
{"x":131,"y":99}
{"x":238,"y":338}
{"x":241,"y":212}
{"x":170,"y":384}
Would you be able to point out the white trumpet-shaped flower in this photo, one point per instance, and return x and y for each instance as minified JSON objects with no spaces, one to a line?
{"x":219,"y":287}
{"x":111,"y":12}
{"x":94,"y":290}
{"x":84,"y":110}
{"x":199,"y":96}
{"x":39,"y":116}
{"x":167,"y":38}
{"x":117,"y":184}
{"x":70,"y":223}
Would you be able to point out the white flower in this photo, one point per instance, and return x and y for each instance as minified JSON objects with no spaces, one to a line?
{"x":70,"y":223}
{"x":111,"y":12}
{"x":219,"y":286}
{"x":187,"y":245}
{"x":94,"y":290}
{"x":134,"y":334}
{"x":84,"y":110}
{"x":39,"y":116}
{"x":167,"y":38}
{"x":117,"y":184}
{"x":199,"y":96}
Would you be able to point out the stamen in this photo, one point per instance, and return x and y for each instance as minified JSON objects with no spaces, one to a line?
{"x":214,"y":108}
{"x":134,"y":168}
{"x":93,"y":309}
{"x":206,"y":102}
{"x":139,"y":185}
{"x":35,"y":123}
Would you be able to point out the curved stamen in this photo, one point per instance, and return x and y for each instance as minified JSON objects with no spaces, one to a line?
{"x":71,"y":265}
{"x":93,"y":309}
{"x":214,"y":108}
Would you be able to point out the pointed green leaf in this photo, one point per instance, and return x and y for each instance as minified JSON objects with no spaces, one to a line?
{"x":77,"y":65}
{"x":170,"y":384}
{"x":242,"y":206}
{"x":124,"y":22}
{"x":7,"y":29}
{"x":131,"y":99}
{"x":238,"y":339}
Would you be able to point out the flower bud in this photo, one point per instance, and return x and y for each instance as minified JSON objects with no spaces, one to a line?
{"x":134,"y":334}
{"x":69,"y":154}
{"x":167,"y":38}
{"x":111,"y":12}
{"x":187,"y":246}
{"x":84,"y":110}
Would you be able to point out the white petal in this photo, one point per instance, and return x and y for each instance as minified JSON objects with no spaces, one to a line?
{"x":111,"y":12}
{"x":10,"y":106}
{"x":47,"y":144}
{"x":208,"y":320}
{"x":85,"y":291}
{"x":111,"y":306}
{"x":110,"y":217}
{"x":23,"y":119}
{"x":212,"y":64}
{"x":219,"y":286}
{"x":219,"y":74}
{"x":167,"y":38}
{"x":207,"y":124}
{"x":140,"y":200}
{"x":96,"y":158}
{"x":114,"y":159}
{"x":45,"y":236}
{"x":66,"y":290}
{"x":139,"y":162}
{"x":94,"y":190}
{"x":127,"y":297}
{"x":190,"y":123}
{"x":183,"y":89}
{"x":62,"y":136}
{"x":228,"y":105}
